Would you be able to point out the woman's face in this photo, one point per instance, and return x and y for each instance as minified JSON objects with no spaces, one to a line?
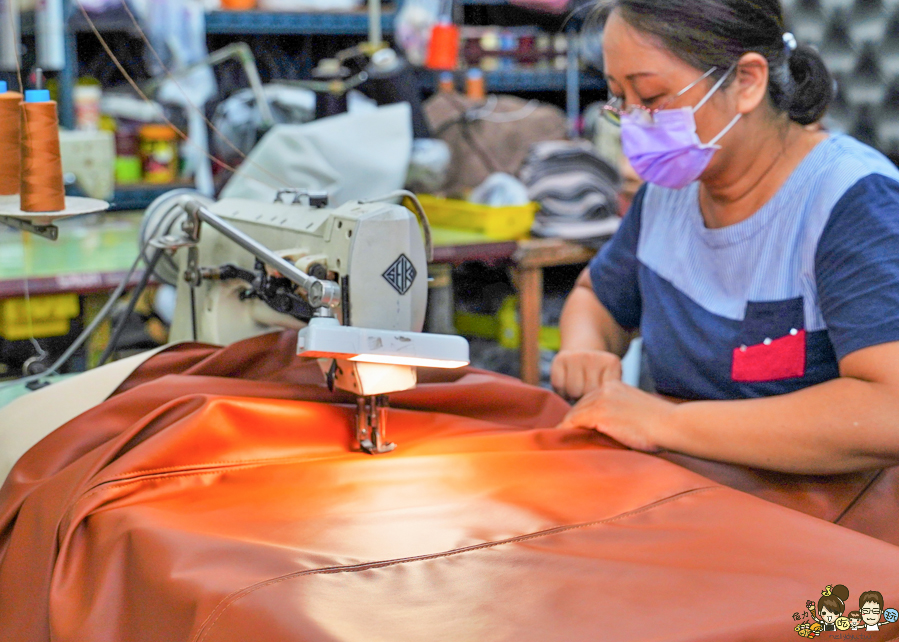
{"x":641,"y":72}
{"x":828,"y":616}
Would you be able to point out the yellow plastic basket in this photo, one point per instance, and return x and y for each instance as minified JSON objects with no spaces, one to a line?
{"x":47,"y":316}
{"x":506,"y":223}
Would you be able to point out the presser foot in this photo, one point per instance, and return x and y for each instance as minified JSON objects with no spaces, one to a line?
{"x":371,"y":425}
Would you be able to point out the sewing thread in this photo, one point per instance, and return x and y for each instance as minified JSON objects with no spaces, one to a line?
{"x":10,"y":143}
{"x":42,"y":184}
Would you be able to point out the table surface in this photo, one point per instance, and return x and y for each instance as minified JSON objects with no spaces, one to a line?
{"x":11,"y":390}
{"x":92,"y":254}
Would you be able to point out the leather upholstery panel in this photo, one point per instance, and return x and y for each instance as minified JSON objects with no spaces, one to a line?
{"x":221,"y":502}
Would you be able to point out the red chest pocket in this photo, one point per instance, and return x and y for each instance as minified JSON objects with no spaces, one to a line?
{"x":771,"y":342}
{"x":771,"y":360}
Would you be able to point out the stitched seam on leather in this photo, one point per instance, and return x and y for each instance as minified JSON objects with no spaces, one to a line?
{"x":206,"y":469}
{"x":223,"y":467}
{"x":155,"y":472}
{"x":858,"y":498}
{"x":227,"y":602}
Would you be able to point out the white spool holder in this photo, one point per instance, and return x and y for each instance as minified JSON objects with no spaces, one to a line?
{"x":10,"y":35}
{"x":43,"y":223}
{"x":50,"y":34}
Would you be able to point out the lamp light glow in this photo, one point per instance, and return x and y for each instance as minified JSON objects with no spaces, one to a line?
{"x":420,"y":362}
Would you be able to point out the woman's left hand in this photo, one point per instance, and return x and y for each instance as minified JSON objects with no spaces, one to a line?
{"x":628,"y":415}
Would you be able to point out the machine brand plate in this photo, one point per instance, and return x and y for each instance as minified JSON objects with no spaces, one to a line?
{"x":401,"y":274}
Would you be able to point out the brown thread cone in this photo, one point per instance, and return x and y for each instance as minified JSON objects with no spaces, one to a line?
{"x":10,"y":143}
{"x":42,"y":185}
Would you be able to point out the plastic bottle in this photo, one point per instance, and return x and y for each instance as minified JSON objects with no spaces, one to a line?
{"x":159,"y":153}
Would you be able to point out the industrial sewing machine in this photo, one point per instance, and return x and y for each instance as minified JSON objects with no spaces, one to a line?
{"x":352,"y":279}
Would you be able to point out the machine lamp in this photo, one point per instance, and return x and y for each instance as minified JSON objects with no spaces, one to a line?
{"x":326,"y":338}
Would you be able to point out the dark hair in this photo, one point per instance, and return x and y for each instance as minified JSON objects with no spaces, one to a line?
{"x":855,"y":615}
{"x":717,"y":33}
{"x":836,"y":601}
{"x":870,"y":596}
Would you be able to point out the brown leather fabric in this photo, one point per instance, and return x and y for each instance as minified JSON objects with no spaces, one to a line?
{"x":479,"y":148}
{"x":867,"y":502}
{"x":208,"y":505}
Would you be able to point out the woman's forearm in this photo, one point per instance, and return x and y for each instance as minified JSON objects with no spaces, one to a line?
{"x":586,"y":325}
{"x":840,"y":426}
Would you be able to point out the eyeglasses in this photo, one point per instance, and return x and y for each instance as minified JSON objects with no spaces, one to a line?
{"x":613,"y":112}
{"x":871,"y":611}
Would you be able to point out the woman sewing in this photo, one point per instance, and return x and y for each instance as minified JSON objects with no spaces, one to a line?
{"x":759,"y":262}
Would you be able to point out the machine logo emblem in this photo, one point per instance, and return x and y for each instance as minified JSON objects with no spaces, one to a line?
{"x":401,"y":274}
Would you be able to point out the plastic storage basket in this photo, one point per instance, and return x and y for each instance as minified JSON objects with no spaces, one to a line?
{"x":500,"y":223}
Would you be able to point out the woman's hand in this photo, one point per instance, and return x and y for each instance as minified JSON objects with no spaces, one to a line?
{"x":576,"y":373}
{"x":626,"y":414}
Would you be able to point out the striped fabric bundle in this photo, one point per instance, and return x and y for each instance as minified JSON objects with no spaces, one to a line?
{"x":576,"y":188}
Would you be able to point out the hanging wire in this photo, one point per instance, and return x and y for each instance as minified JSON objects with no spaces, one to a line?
{"x":135,"y":295}
{"x":172,"y":78}
{"x":26,"y":246}
{"x":142,"y":254}
{"x":101,"y":316}
{"x":140,"y":92}
{"x":589,"y":8}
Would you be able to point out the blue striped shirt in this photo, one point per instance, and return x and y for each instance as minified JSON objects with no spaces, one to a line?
{"x":768,"y":305}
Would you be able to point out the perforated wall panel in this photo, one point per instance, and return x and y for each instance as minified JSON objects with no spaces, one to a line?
{"x":859,"y":40}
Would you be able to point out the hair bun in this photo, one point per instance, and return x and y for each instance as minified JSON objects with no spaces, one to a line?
{"x":841,"y":592}
{"x":814,"y":88}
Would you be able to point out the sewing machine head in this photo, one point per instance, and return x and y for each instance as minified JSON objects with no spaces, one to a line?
{"x":352,"y":280}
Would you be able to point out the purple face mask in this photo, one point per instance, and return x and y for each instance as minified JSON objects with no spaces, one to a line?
{"x":663,"y":147}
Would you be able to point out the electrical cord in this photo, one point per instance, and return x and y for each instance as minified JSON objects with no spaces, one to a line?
{"x":88,"y":331}
{"x":163,"y":226}
{"x":101,"y":316}
{"x":120,"y":326}
{"x":419,"y":212}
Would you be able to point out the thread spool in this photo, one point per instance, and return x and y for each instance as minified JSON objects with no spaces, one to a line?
{"x":446,"y":84}
{"x":43,"y":189}
{"x":474,"y":85}
{"x":10,"y":141}
{"x":443,"y":51}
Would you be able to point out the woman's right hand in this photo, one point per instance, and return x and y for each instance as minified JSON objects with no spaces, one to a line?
{"x":576,"y":373}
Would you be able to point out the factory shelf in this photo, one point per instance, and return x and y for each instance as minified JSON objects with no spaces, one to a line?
{"x":113,"y":20}
{"x":262,"y":23}
{"x":240,"y":23}
{"x":535,"y":80}
{"x":515,"y":80}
